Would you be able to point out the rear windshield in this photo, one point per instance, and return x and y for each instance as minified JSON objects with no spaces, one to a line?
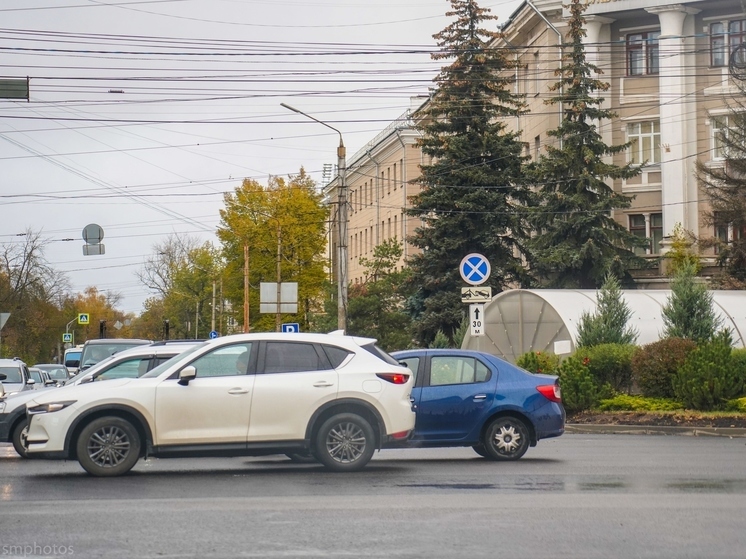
{"x":93,"y":353}
{"x":382,"y":355}
{"x":10,"y":374}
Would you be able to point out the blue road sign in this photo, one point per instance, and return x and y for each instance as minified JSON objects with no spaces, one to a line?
{"x":213,"y":335}
{"x":291,"y":327}
{"x":475,"y":269}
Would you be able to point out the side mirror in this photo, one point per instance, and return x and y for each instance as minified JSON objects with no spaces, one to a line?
{"x":2,"y":391}
{"x":31,"y":381}
{"x":50,"y":382}
{"x":187,"y":374}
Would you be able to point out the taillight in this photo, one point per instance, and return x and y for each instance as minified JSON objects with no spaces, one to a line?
{"x":394,"y":378}
{"x":551,"y":392}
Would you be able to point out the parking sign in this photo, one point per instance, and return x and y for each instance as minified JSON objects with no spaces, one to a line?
{"x":291,"y":327}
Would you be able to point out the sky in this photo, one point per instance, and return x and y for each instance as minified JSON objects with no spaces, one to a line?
{"x":143,"y":113}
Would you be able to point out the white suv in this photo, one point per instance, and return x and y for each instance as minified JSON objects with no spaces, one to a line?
{"x":338,"y":397}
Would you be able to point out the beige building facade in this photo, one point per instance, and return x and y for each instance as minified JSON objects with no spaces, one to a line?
{"x":670,"y":86}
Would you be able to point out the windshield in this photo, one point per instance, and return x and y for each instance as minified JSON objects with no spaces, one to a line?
{"x":89,"y":372}
{"x":72,"y":358}
{"x":55,"y":372}
{"x":163,"y":366}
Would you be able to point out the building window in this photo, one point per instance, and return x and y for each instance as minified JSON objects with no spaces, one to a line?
{"x":647,"y":226}
{"x":726,"y":232}
{"x":642,"y":53}
{"x":645,"y":139}
{"x":537,"y":147}
{"x":717,"y":45}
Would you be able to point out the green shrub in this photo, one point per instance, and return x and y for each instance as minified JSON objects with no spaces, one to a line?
{"x":707,"y":379}
{"x":737,"y":405}
{"x":654,"y":366}
{"x":579,"y":389}
{"x":625,"y":402}
{"x":610,"y":364}
{"x":539,"y":362}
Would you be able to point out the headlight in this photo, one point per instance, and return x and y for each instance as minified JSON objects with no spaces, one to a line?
{"x":49,"y":408}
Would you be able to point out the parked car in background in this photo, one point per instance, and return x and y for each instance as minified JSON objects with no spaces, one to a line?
{"x":339,"y":397}
{"x":130,"y":363}
{"x":95,"y":350}
{"x":56,"y":372}
{"x":470,"y":398}
{"x":72,"y":359}
{"x":41,"y":378}
{"x":14,"y":376}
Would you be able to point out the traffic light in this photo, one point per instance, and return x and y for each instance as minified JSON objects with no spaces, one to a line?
{"x":101,"y":328}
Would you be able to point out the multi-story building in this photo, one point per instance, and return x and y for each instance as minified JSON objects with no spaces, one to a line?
{"x":671,"y":90}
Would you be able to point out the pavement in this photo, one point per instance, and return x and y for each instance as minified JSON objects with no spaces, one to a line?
{"x":594,"y":428}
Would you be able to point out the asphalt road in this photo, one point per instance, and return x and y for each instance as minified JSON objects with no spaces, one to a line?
{"x":578,"y":496}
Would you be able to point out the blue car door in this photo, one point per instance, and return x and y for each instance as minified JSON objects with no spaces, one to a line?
{"x":457,"y":392}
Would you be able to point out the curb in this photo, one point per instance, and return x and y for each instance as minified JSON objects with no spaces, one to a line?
{"x":582,"y":428}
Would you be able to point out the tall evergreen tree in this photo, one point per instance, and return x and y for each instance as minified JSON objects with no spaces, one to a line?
{"x":577,"y":241}
{"x":726,"y":189}
{"x":472,"y":185}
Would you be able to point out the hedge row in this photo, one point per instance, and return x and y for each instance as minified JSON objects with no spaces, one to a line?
{"x":705,"y":377}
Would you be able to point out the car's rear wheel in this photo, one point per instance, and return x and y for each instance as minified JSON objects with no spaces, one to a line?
{"x":345,"y":442}
{"x":506,"y":438}
{"x":108,"y":446}
{"x":20,"y":438}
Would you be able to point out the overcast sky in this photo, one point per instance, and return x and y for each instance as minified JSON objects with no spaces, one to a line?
{"x":143,"y":112}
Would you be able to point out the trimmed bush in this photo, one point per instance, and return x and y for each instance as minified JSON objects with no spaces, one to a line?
{"x":610,"y":364}
{"x":579,"y":389}
{"x":738,"y":405}
{"x":654,"y":366}
{"x":539,"y":362}
{"x":625,"y":402}
{"x":708,"y":379}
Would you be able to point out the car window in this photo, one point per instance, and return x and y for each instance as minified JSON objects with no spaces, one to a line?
{"x":378,"y":352}
{"x":130,"y":368}
{"x":284,"y":357}
{"x":411,"y":363}
{"x":224,"y":361}
{"x":36,"y":375}
{"x":336,"y":355}
{"x":156,"y":371}
{"x":457,"y":370}
{"x":10,"y":374}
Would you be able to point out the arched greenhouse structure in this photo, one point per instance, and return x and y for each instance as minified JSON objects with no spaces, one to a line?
{"x":523,"y":320}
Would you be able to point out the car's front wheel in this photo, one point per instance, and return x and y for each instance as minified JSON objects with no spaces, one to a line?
{"x":108,"y":446}
{"x":20,"y":438}
{"x":345,"y":442}
{"x":506,"y":438}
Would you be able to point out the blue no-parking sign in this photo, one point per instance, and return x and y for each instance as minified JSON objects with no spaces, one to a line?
{"x":291,"y":327}
{"x":475,"y":269}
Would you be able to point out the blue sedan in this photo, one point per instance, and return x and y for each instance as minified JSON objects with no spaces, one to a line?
{"x":471,"y":398}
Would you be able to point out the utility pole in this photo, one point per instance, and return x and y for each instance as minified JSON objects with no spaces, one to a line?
{"x":246,"y":287}
{"x":278,"y":318}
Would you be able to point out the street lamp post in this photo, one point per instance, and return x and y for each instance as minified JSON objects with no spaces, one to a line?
{"x":341,"y":223}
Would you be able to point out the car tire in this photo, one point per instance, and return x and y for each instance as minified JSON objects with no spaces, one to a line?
{"x":20,"y":434}
{"x":506,"y":438}
{"x":345,"y":443}
{"x":108,"y":446}
{"x":479,"y":449}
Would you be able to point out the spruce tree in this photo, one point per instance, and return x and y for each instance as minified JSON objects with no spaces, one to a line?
{"x":608,"y":325}
{"x":473,"y":183}
{"x":577,"y":241}
{"x":688,"y":313}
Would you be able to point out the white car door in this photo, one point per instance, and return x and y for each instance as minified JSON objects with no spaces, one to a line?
{"x":214,"y":407}
{"x":293,"y":382}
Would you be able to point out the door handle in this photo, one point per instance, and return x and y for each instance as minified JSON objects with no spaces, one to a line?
{"x":480,"y":397}
{"x":322,"y":384}
{"x":238,"y":391}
